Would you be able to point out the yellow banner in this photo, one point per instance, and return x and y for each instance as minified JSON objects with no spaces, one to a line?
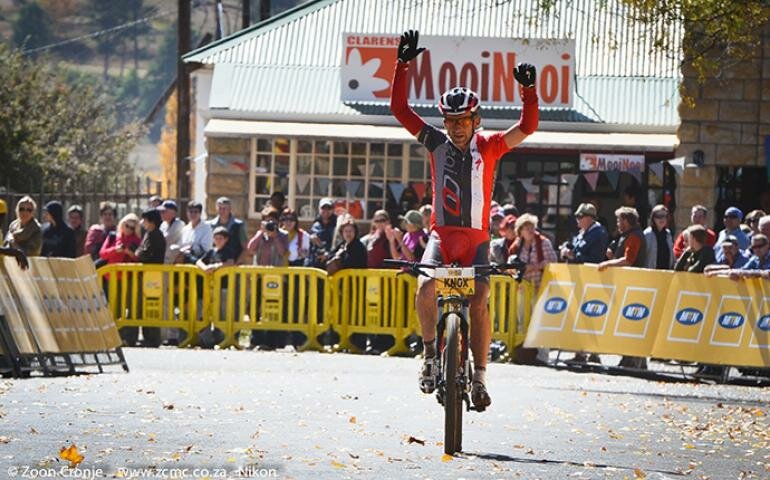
{"x":579,"y":308}
{"x":629,"y":311}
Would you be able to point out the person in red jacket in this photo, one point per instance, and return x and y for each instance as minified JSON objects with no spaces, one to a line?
{"x":463,"y":163}
{"x":119,"y":246}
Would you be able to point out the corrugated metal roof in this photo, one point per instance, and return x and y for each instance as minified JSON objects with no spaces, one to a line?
{"x":295,"y":91}
{"x":608,"y":41}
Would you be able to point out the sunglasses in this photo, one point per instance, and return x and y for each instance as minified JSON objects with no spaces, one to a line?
{"x":754,"y":247}
{"x":463,"y":122}
{"x":26,"y":209}
{"x":193,"y":210}
{"x":288,"y":219}
{"x":731,"y":216}
{"x":660,"y":217}
{"x":130,"y":225}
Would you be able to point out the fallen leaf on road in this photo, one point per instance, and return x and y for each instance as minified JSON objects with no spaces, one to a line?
{"x":337,"y":464}
{"x":638,"y":473}
{"x":352,"y":419}
{"x":71,"y":454}
{"x":415,"y":440}
{"x":446,"y":458}
{"x":168,"y":406}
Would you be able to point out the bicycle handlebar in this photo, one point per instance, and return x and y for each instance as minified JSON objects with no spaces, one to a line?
{"x":417,"y":268}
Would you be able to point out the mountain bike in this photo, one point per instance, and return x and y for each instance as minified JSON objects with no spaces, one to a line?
{"x":454,"y":286}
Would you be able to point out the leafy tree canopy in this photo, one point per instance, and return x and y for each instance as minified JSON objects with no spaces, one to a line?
{"x":57,"y":130}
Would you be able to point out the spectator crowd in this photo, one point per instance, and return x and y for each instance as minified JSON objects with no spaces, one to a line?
{"x":334,"y":241}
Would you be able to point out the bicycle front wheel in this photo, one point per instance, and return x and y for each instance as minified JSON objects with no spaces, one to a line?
{"x":453,"y":403}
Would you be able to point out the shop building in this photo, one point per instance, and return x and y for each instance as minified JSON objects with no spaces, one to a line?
{"x":277,"y":107}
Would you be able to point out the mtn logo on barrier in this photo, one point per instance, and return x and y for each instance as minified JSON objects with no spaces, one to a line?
{"x":731,"y":320}
{"x":555,"y":305}
{"x":764,"y":323}
{"x":689,"y":316}
{"x":636,"y":311}
{"x":594,"y":308}
{"x":272,"y":285}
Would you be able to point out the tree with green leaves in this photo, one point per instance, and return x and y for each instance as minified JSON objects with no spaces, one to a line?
{"x":718,"y":33}
{"x":57,"y":131}
{"x":103,"y":16}
{"x":31,"y":27}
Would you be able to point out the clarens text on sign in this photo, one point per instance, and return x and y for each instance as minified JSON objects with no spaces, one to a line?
{"x":484,"y":65}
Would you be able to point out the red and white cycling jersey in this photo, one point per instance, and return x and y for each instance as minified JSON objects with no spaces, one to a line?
{"x":463,"y":182}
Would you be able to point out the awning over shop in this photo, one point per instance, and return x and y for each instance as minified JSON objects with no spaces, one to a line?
{"x":627,"y":142}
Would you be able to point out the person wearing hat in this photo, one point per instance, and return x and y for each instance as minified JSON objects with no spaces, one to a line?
{"x":732,"y":257}
{"x":732,"y":219}
{"x":499,"y":247}
{"x":171,"y":228}
{"x":238,"y":238}
{"x":590,"y":243}
{"x":58,"y":237}
{"x":322,"y":234}
{"x":415,"y":239}
{"x":495,"y":217}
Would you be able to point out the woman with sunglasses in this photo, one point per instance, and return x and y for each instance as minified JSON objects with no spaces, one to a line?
{"x":659,"y":241}
{"x":299,"y":239}
{"x":120,"y":246}
{"x":25,"y":233}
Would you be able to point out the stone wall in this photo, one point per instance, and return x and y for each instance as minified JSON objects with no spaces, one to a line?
{"x":728,"y":122}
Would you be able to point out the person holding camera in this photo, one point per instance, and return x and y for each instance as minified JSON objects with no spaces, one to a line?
{"x":590,"y":243}
{"x":120,"y":246}
{"x":322,"y":235}
{"x":270,"y":245}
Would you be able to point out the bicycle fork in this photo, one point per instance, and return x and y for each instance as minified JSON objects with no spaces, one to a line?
{"x":460,"y":307}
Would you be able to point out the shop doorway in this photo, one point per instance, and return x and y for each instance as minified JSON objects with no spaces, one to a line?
{"x":744,"y":187}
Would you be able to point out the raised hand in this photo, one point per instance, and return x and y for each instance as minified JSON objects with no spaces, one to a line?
{"x":525,"y":74}
{"x":407,"y":48}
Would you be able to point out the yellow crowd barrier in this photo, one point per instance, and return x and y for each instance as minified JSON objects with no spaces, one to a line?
{"x":269,"y":299}
{"x":302,"y":300}
{"x":373,"y":302}
{"x":651,"y":313}
{"x":157,"y":296}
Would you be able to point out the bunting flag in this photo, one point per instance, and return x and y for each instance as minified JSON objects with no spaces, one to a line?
{"x":678,"y":164}
{"x":323,"y":186}
{"x":378,"y":185}
{"x":569,"y":179}
{"x":657,"y":169}
{"x":420,"y":188}
{"x":302,"y":181}
{"x":352,"y":186}
{"x":397,"y":189}
{"x":592,"y":178}
{"x":613,"y":176}
{"x":528,"y":184}
{"x":636,"y":174}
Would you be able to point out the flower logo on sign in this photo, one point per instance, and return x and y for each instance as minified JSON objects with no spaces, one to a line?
{"x":362,"y":80}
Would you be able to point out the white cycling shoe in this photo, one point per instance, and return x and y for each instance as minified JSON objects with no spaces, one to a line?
{"x":428,"y":375}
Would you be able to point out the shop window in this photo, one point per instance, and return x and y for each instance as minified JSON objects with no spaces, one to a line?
{"x":541,"y":185}
{"x":362,"y":176}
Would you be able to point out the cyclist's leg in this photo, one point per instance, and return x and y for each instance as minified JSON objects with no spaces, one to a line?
{"x":427,"y":313}
{"x":481,"y":332}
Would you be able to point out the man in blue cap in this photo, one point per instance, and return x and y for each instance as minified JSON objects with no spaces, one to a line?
{"x":732,"y":219}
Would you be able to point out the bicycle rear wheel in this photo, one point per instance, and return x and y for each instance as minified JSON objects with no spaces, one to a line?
{"x":453,"y":403}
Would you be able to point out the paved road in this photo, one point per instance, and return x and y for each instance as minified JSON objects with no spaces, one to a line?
{"x":343,"y":416}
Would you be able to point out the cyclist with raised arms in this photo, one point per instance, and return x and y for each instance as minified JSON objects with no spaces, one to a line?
{"x":463,"y":164}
